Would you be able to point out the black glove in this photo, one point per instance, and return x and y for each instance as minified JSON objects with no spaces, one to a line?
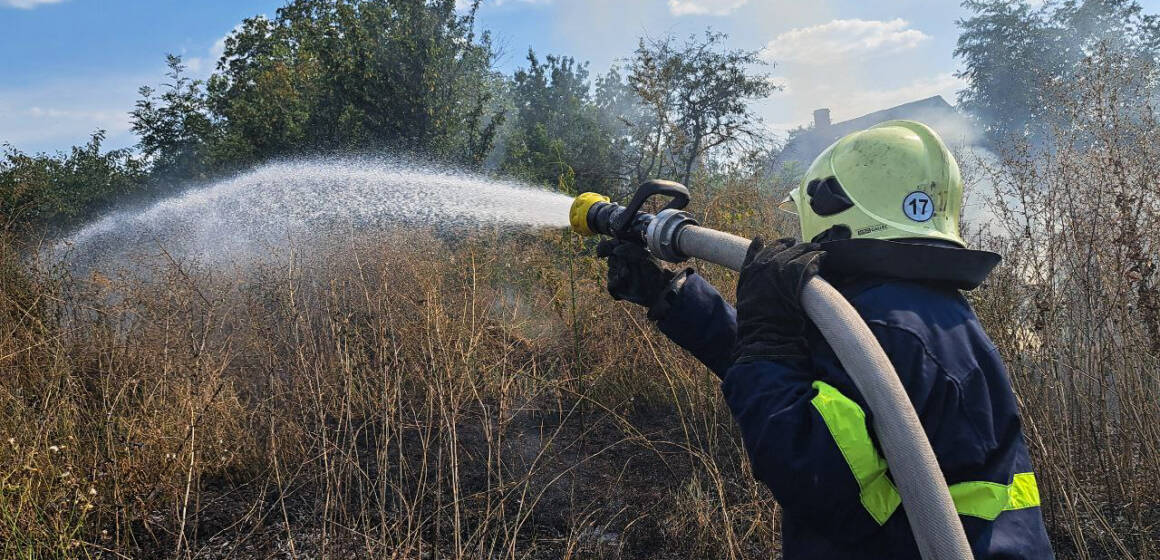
{"x":633,"y":274}
{"x":770,"y":320}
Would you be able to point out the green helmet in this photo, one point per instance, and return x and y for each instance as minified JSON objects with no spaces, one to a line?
{"x":895,"y":180}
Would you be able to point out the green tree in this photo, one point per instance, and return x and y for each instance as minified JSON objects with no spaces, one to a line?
{"x":1013,"y":53}
{"x":698,"y":94}
{"x":263,"y":92}
{"x":64,"y":190}
{"x":175,"y":125}
{"x":630,"y":122}
{"x":559,"y":130}
{"x":327,"y":75}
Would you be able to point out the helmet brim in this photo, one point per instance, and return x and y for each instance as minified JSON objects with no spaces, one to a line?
{"x":789,"y":203}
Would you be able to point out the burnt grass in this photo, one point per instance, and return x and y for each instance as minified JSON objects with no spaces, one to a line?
{"x":603,"y":473}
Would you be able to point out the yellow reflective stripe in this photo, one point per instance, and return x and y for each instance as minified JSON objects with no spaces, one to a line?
{"x":1023,"y":493}
{"x":847,"y":425}
{"x":988,"y":499}
{"x":979,"y":499}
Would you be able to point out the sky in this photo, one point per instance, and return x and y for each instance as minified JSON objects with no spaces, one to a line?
{"x":69,"y":67}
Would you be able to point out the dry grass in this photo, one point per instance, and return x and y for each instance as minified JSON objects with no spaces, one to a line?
{"x":407,"y":397}
{"x":1076,"y":307}
{"x":481,"y":401}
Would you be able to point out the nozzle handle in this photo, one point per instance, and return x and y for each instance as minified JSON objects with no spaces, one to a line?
{"x":672,"y":189}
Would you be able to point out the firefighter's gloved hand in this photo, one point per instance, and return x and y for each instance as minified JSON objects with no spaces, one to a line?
{"x":771,"y":323}
{"x":633,"y":274}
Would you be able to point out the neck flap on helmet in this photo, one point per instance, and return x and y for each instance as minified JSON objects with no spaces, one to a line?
{"x":964,"y":269}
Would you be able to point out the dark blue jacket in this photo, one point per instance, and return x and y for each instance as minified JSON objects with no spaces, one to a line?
{"x":955,"y":379}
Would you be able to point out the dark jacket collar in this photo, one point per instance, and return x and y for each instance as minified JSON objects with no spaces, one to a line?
{"x":946,"y":265}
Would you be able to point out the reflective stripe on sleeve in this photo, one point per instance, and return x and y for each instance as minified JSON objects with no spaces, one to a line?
{"x":847,"y":425}
{"x":987,"y":500}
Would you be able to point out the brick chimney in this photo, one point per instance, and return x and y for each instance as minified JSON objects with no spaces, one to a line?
{"x":821,"y":119}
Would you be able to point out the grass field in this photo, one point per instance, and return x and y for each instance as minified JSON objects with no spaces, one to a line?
{"x":403,"y":396}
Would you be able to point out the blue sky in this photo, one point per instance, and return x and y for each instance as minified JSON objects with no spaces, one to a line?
{"x":72,"y":66}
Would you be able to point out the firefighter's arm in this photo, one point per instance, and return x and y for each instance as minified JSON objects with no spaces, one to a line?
{"x":696,"y":317}
{"x":788,"y":421}
{"x":787,"y":417}
{"x":686,"y":307}
{"x":810,"y":441}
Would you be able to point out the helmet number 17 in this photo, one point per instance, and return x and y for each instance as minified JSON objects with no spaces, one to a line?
{"x":918,"y":206}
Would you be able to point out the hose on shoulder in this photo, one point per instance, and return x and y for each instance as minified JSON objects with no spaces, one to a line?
{"x":911,"y":460}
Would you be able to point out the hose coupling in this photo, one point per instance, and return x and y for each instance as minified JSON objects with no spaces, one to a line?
{"x":663,"y":231}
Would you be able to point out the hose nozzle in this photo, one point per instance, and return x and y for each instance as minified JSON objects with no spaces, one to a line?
{"x":594,"y":214}
{"x":578,"y":214}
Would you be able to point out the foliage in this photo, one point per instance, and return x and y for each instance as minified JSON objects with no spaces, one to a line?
{"x":327,"y":75}
{"x":330,"y":76}
{"x":677,"y":105}
{"x":625,"y":115}
{"x":697,"y":96}
{"x":38,"y":191}
{"x":1013,"y":53}
{"x":323,"y":76}
{"x":175,"y":126}
{"x":1075,"y":307}
{"x":411,"y":77}
{"x":559,"y":128}
{"x":389,"y":396}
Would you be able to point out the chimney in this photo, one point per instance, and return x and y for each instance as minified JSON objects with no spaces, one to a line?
{"x":821,"y":119}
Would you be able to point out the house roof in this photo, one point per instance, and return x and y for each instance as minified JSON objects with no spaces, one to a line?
{"x":935,"y":112}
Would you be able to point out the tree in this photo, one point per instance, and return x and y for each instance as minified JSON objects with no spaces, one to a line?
{"x":1013,"y":53}
{"x":65,"y":189}
{"x":326,"y":75}
{"x":637,"y":133}
{"x":559,"y":130}
{"x":263,"y":92}
{"x":698,"y":94}
{"x":175,"y":126}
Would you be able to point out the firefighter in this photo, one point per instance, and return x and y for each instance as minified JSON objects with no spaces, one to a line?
{"x":881,"y":210}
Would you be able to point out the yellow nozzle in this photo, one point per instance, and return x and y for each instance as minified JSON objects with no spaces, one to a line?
{"x":578,"y":215}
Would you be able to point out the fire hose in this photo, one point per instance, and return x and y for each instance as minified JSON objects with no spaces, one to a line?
{"x":674,"y":235}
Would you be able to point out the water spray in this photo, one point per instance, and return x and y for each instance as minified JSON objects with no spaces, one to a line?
{"x":673,"y":235}
{"x":317,"y":203}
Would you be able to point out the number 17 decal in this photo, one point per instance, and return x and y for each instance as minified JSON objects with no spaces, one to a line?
{"x":918,"y":206}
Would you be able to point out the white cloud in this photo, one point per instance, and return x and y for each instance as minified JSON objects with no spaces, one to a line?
{"x":219,"y":47}
{"x":197,"y":65}
{"x":111,"y":120}
{"x":704,"y":7}
{"x":202,"y":66}
{"x":55,"y":115}
{"x":27,"y":4}
{"x":843,"y":39}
